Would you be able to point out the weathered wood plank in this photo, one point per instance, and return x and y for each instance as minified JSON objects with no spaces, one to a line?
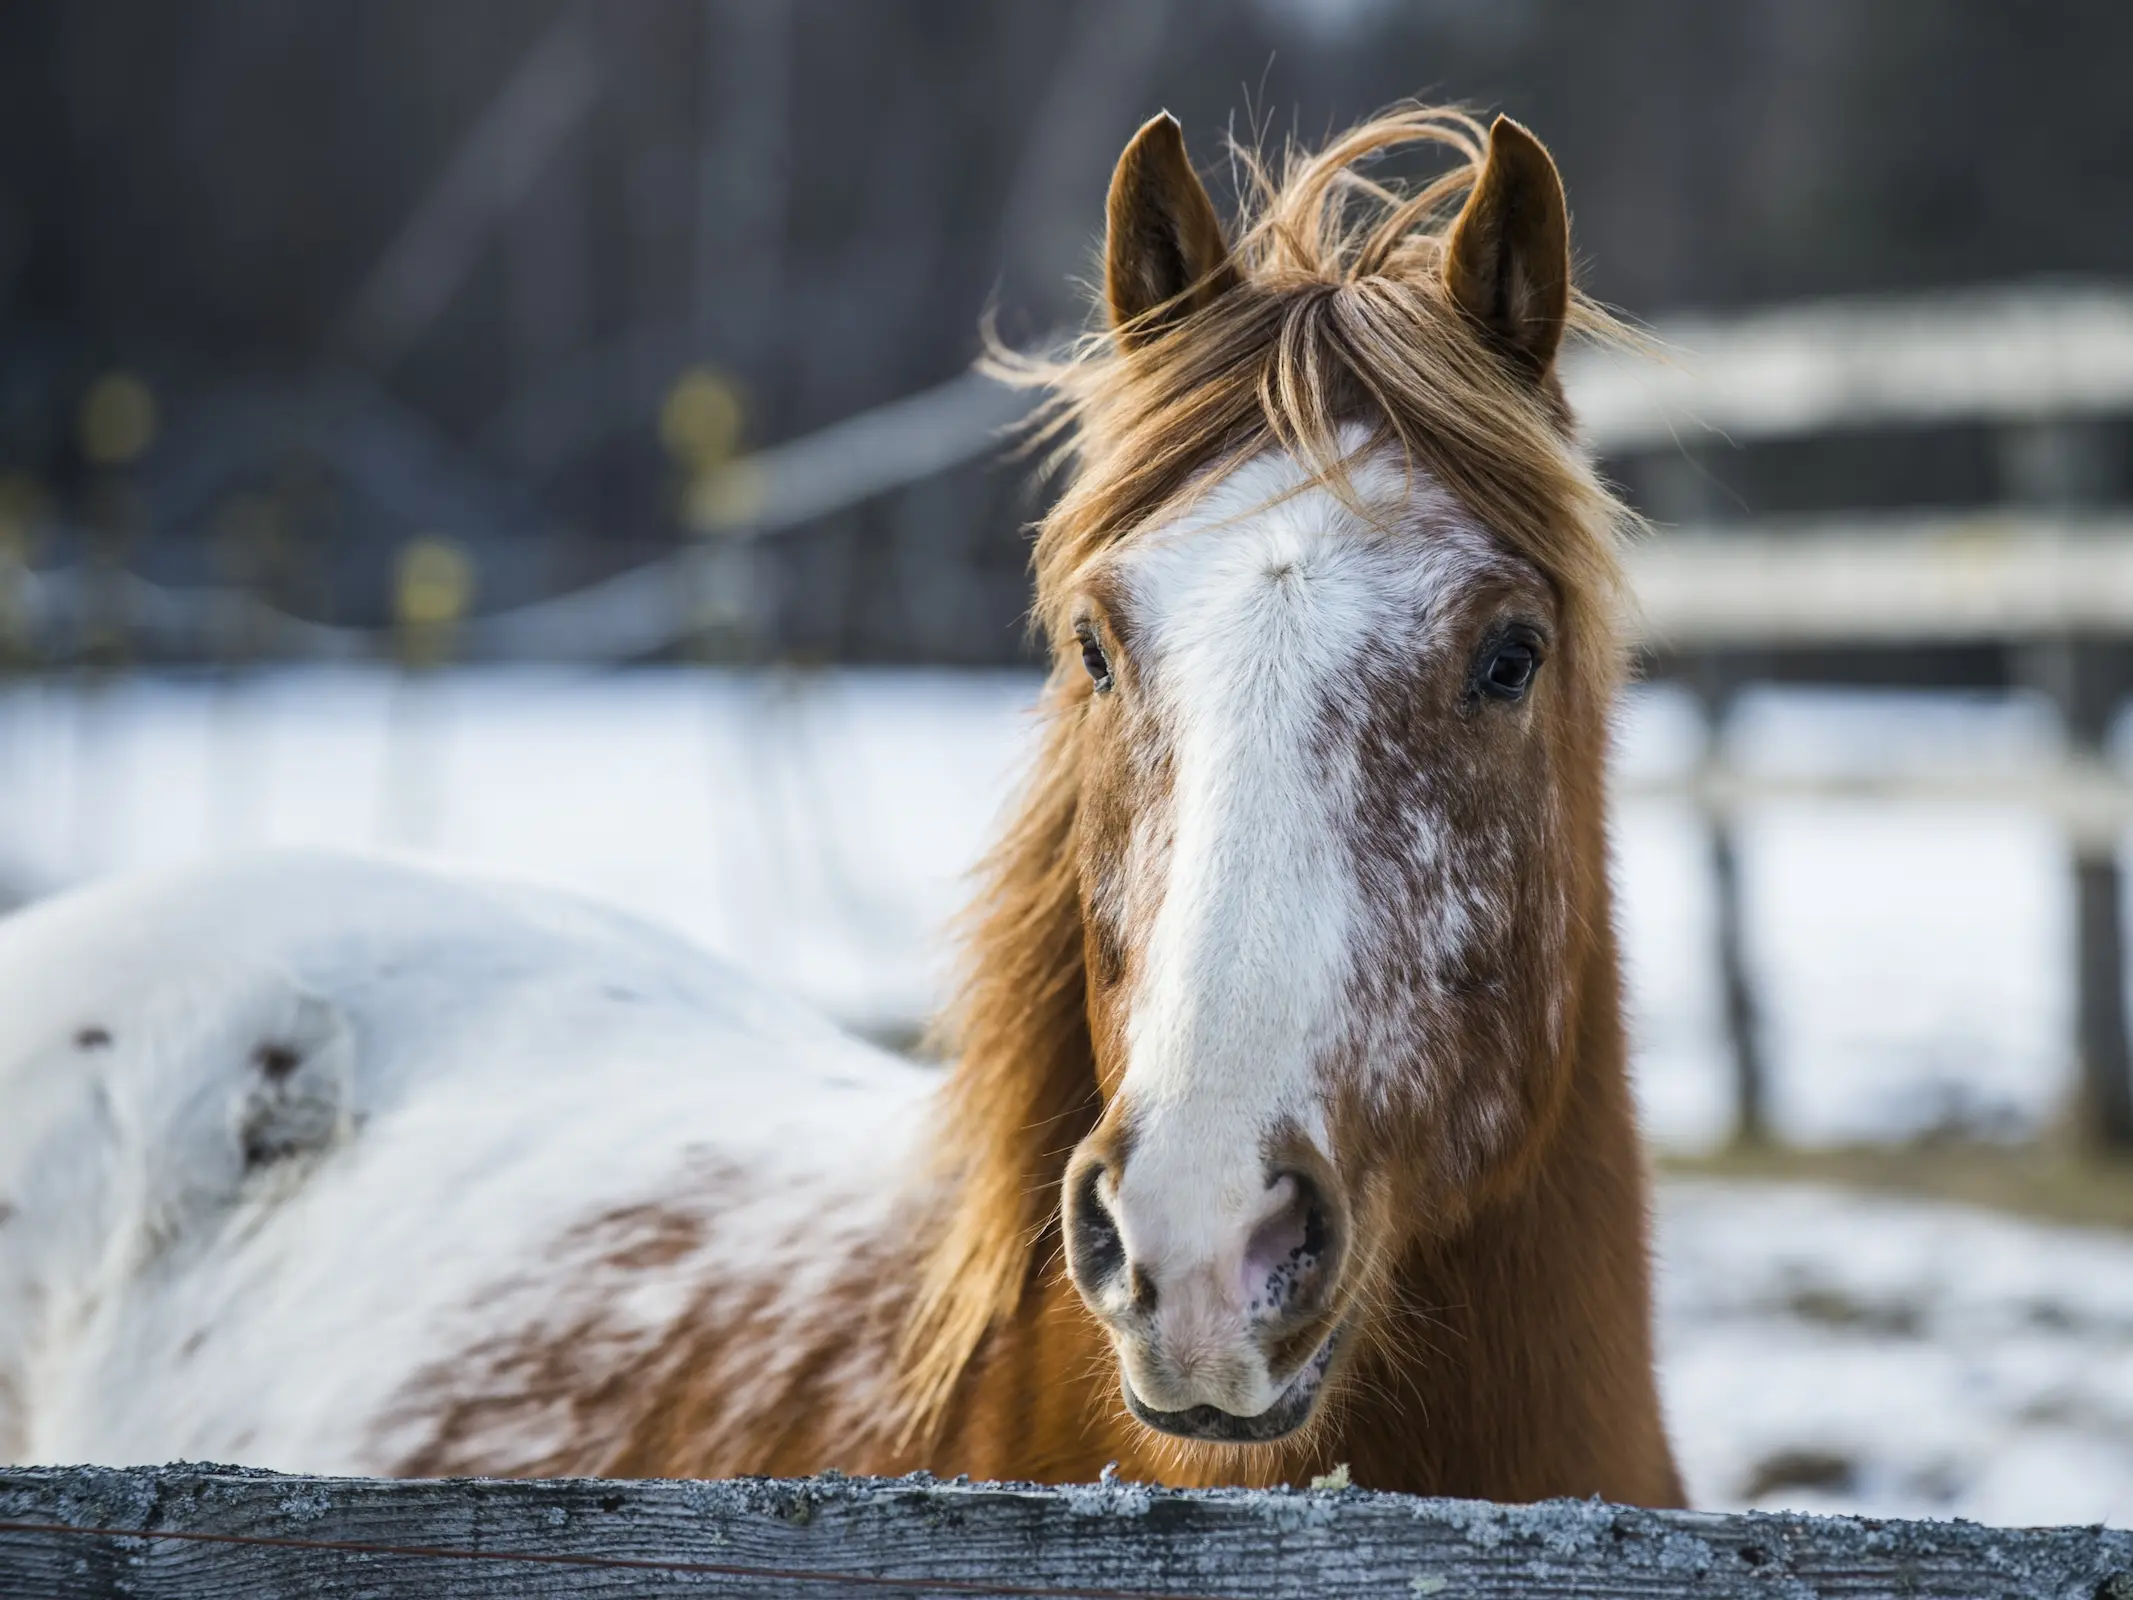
{"x":1925,"y":577}
{"x":204,"y":1533}
{"x":1978,"y":355}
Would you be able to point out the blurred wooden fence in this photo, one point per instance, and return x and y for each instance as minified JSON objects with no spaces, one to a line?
{"x":2034,"y":595}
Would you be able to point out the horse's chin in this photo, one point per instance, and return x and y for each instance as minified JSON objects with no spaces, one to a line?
{"x":1212,"y":1425}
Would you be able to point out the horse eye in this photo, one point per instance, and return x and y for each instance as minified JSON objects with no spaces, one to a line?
{"x":1507,"y":665}
{"x":1092,"y":657}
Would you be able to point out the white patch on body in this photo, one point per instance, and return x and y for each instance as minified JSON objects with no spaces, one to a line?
{"x":207,"y":1252}
{"x":1251,"y":618}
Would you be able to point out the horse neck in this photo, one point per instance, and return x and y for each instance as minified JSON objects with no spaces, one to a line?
{"x":1021,"y":1094}
{"x":1516,"y":1361}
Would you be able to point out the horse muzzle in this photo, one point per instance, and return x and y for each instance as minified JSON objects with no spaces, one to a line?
{"x":1211,"y":1424}
{"x":1224,"y":1314}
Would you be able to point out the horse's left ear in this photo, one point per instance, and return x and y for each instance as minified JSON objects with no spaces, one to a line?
{"x":1508,"y":262}
{"x":1164,"y":254}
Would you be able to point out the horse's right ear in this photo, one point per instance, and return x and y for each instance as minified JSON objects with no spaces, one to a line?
{"x":1164,"y":254}
{"x":1507,"y":263}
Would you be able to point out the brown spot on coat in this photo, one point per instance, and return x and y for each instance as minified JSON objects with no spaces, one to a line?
{"x":604,"y":1397}
{"x":93,"y":1037}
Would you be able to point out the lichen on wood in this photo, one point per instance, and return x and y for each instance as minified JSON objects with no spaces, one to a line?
{"x":217,"y":1533}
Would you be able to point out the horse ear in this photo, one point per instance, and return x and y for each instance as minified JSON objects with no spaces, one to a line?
{"x":1164,"y":254}
{"x":1508,"y":262}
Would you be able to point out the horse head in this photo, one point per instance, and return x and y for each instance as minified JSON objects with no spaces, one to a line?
{"x":1327,"y":597}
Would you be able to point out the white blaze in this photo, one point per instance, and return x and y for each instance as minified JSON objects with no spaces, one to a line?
{"x":1250,"y":619}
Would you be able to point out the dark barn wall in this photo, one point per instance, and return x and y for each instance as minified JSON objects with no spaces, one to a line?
{"x":820,"y":199}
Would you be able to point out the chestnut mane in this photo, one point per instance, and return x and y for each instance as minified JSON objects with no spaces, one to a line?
{"x":1338,"y":314}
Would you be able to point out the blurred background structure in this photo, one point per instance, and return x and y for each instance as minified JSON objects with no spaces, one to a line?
{"x":282,"y":291}
{"x":541,"y":433}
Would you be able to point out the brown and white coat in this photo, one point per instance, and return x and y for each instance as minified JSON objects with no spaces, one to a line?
{"x":1287,"y":1122}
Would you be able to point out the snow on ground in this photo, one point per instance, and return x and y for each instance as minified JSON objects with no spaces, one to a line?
{"x":1913,"y":961}
{"x":1820,"y":1350}
{"x":815,"y":827}
{"x":1835,"y":1352}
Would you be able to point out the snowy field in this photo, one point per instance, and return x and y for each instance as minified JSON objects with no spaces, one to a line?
{"x":1913,"y":964}
{"x":1833,"y":1352}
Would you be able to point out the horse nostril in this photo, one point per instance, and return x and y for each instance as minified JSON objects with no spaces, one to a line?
{"x":1096,"y":1254}
{"x":1293,"y":1256}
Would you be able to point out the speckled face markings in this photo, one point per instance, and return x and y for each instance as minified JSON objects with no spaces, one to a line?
{"x":1312,"y":853}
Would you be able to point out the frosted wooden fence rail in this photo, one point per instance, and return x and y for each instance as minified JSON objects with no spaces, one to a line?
{"x":204,"y":1533}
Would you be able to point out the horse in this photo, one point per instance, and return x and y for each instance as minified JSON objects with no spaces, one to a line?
{"x":1284,"y":1127}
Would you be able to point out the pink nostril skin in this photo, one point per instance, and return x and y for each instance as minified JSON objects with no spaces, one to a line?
{"x":1289,"y":1260}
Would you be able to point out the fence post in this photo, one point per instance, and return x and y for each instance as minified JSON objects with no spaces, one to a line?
{"x":2106,"y":1068}
{"x":2062,"y":465}
{"x":1715,"y":685}
{"x":2087,"y":678}
{"x":1751,"y":1124}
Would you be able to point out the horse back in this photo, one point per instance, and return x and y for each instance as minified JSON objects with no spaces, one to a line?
{"x":278,"y":1138}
